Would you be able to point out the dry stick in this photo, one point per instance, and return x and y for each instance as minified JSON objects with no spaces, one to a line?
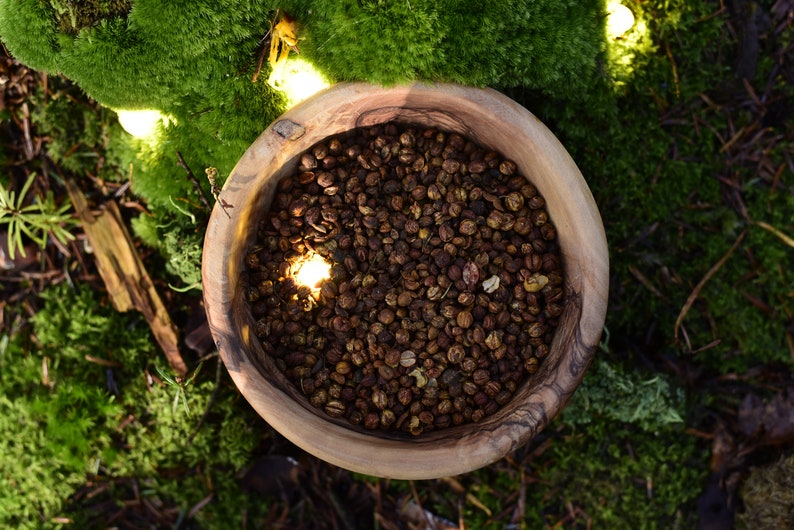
{"x":418,"y":502}
{"x":781,"y":235}
{"x":126,"y":279}
{"x":675,"y":69}
{"x":647,"y":283}
{"x":261,"y":57}
{"x":204,"y":200}
{"x":696,"y":291}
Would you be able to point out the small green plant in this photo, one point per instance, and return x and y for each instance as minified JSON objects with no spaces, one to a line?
{"x":180,"y":385}
{"x":610,"y":392}
{"x":36,"y":221}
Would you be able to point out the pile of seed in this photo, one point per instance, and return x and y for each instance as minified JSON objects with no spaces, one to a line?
{"x":445,"y":285}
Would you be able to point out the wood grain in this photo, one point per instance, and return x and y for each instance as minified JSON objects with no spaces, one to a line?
{"x":492,"y":120}
{"x":126,"y":279}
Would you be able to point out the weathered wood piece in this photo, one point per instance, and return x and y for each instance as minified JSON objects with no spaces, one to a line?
{"x":129,"y":285}
{"x":488,"y":118}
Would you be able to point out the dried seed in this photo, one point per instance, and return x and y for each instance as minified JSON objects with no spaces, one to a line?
{"x":535,"y":283}
{"x":407,"y":358}
{"x":335,"y":408}
{"x":470,"y":275}
{"x":455,"y":354}
{"x":465,"y":319}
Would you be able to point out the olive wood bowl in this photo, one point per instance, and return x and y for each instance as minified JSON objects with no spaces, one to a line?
{"x":488,"y":118}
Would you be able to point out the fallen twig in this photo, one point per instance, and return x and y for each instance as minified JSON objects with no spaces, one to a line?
{"x":126,"y":279}
{"x":192,"y":177}
{"x":781,"y":235}
{"x":696,"y":291}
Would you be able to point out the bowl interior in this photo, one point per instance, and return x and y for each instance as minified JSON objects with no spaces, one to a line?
{"x":493,"y":121}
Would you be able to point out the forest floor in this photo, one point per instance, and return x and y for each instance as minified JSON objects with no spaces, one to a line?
{"x":741,"y":418}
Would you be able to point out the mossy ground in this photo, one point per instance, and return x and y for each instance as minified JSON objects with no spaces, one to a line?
{"x":682,"y":128}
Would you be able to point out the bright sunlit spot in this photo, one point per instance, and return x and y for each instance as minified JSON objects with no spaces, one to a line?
{"x":310,"y":271}
{"x":620,"y":19}
{"x":140,"y":123}
{"x":627,"y":38}
{"x":297,"y":79}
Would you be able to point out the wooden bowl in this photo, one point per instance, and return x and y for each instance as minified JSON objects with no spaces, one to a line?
{"x":490,"y":119}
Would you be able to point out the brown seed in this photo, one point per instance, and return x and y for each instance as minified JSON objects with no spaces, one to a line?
{"x":298,"y":207}
{"x":450,"y":165}
{"x":468,"y":227}
{"x":387,"y":418}
{"x":405,"y":298}
{"x":455,"y":353}
{"x":369,"y":380}
{"x":371,"y":421}
{"x":407,"y":358}
{"x":477,"y":166}
{"x":480,"y":377}
{"x":531,"y":365}
{"x":319,"y":398}
{"x":468,"y":365}
{"x":435,"y":293}
{"x":405,"y":396}
{"x":386,"y":316}
{"x":446,"y":233}
{"x":328,"y":290}
{"x":386,"y":372}
{"x":507,"y":167}
{"x":380,"y":399}
{"x":392,"y":358}
{"x":414,"y":426}
{"x":325,"y":179}
{"x":426,"y":417}
{"x":340,"y":324}
{"x":335,"y":408}
{"x":494,"y":340}
{"x":465,"y":319}
{"x":466,"y":298}
{"x":548,"y":231}
{"x":492,"y":388}
{"x":536,"y":329}
{"x":480,"y":399}
{"x":343,"y":367}
{"x":346,"y":300}
{"x":308,"y":161}
{"x":470,"y":275}
{"x":535,"y":202}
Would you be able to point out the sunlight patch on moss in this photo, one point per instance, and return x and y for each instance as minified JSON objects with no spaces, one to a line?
{"x":297,"y":79}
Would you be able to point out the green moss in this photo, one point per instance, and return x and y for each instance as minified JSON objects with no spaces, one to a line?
{"x":553,"y":46}
{"x":28,"y":29}
{"x":609,"y":393}
{"x":625,"y":479}
{"x":56,"y":416}
{"x":179,"y":244}
{"x":59,"y":427}
{"x":768,"y":495}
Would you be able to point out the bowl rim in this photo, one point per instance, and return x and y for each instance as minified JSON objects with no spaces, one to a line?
{"x":247,"y":188}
